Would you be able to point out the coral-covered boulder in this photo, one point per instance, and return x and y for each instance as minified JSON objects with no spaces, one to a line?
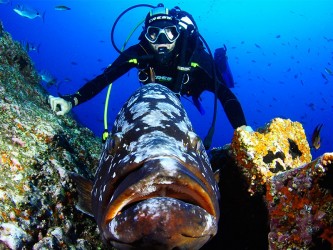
{"x":279,"y":146}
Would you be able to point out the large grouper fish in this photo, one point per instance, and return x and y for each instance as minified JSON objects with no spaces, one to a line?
{"x":154,"y":187}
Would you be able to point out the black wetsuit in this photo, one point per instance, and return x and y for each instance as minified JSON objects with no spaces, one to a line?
{"x":200,"y":78}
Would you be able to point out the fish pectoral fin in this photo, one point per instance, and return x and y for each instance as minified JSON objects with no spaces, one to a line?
{"x":217,"y":175}
{"x":83,"y":187}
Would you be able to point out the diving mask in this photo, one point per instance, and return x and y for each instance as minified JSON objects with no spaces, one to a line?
{"x":170,"y":32}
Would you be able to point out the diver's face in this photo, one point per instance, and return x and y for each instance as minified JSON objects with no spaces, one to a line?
{"x":162,"y":36}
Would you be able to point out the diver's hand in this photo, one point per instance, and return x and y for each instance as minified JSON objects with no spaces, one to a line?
{"x":247,"y":128}
{"x":59,"y":105}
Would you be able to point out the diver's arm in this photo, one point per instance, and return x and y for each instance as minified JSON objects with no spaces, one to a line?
{"x":118,"y":68}
{"x":62,"y":105}
{"x":229,"y":101}
{"x":231,"y":106}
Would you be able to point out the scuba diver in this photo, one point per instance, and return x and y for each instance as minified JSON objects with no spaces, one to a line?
{"x":170,"y":52}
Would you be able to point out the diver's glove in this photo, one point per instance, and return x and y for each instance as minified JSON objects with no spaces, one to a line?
{"x":247,"y":128}
{"x":60,"y":105}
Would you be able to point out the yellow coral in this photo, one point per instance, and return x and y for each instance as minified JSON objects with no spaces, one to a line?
{"x":279,"y":146}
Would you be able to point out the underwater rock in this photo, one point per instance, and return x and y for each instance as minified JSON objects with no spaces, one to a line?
{"x":37,"y":149}
{"x":287,"y":199}
{"x":279,"y":146}
{"x":13,"y":236}
{"x":300,"y":205}
{"x":244,"y":218}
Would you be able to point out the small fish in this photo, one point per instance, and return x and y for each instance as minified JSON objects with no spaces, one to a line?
{"x":257,"y":45}
{"x":47,"y":78}
{"x":154,"y":187}
{"x":61,"y":7}
{"x":30,"y":46}
{"x":28,"y":12}
{"x":328,"y":71}
{"x":324,"y":100}
{"x":316,"y":139}
{"x":324,"y":76}
{"x":328,"y":39}
{"x":67,"y":79}
{"x":312,"y":106}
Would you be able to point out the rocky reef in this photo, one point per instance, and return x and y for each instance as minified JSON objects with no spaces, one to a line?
{"x":37,"y":149}
{"x":300,"y":205}
{"x":273,"y":195}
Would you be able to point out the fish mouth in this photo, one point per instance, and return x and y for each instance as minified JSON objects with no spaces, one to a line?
{"x":161,"y":223}
{"x":162,"y":197}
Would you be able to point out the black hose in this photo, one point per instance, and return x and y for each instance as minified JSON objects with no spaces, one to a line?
{"x":117,"y":20}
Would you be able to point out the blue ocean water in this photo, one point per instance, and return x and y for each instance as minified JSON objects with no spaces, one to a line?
{"x":280,"y":53}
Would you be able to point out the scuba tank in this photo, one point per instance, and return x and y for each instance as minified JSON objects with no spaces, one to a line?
{"x":221,"y":60}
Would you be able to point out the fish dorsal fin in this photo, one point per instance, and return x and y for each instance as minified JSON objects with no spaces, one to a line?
{"x":83,"y":187}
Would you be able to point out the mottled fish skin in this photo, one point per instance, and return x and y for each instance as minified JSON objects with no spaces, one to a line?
{"x":154,"y":187}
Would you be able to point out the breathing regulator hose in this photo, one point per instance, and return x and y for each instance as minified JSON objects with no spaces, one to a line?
{"x":106,"y":131}
{"x":117,"y":20}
